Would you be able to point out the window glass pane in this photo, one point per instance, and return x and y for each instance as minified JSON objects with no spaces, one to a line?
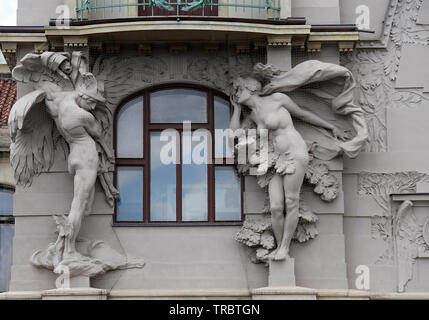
{"x":6,"y":241}
{"x":130,"y":130}
{"x":178,"y":105}
{"x":162,"y":178}
{"x":227,"y":194}
{"x":194,"y":176}
{"x":222,"y":118}
{"x":130,"y":184}
{"x":6,"y":202}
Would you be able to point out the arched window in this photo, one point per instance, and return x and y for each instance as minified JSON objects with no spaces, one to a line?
{"x":6,"y":236}
{"x":167,"y":168}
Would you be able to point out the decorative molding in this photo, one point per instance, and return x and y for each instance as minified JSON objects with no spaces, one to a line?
{"x":346,"y":46}
{"x":75,"y":41}
{"x":387,"y":27}
{"x":376,"y":70}
{"x":9,"y":52}
{"x":41,"y":47}
{"x":314,"y":46}
{"x":397,"y":227}
{"x":280,"y":41}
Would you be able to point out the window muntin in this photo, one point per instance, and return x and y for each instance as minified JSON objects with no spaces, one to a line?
{"x":168,"y":192}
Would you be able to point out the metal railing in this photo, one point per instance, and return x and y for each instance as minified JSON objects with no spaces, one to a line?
{"x":104,"y":9}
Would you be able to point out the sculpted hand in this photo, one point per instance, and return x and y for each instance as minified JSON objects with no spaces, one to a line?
{"x":342,"y":135}
{"x":237,"y":106}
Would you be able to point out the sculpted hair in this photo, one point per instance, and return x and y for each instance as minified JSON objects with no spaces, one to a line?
{"x":247,"y":82}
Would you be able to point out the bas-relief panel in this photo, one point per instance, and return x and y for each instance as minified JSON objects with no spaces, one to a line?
{"x":376,"y":68}
{"x":405,"y":235}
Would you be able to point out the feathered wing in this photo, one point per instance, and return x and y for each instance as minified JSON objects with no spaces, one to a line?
{"x":31,"y":130}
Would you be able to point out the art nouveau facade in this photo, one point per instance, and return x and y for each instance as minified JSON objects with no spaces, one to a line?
{"x":158,"y":67}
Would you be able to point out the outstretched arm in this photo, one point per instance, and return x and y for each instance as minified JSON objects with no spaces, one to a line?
{"x":312,"y":118}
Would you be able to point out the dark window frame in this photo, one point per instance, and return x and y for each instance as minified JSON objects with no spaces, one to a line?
{"x":7,"y":218}
{"x":145,"y":161}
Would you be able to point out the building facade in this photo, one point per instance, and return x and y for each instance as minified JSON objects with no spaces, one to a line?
{"x":159,"y":63}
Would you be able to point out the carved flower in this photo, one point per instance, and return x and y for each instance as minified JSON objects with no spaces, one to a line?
{"x":315,"y":172}
{"x":262,"y":254}
{"x":248,"y":237}
{"x":327,"y":187}
{"x":305,"y":232}
{"x":267,"y":240}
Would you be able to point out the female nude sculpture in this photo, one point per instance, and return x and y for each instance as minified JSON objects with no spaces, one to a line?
{"x":272,"y":115}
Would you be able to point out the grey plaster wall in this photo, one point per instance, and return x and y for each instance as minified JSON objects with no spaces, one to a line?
{"x":37,"y":13}
{"x":392,"y":79}
{"x":317,"y":11}
{"x":355,"y":230}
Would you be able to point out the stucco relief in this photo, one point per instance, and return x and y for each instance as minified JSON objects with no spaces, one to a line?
{"x":281,"y":155}
{"x":123,"y":75}
{"x":68,"y":106}
{"x":398,"y":227}
{"x":376,"y":70}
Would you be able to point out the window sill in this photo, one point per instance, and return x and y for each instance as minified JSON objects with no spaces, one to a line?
{"x":7,"y":220}
{"x":177,"y":224}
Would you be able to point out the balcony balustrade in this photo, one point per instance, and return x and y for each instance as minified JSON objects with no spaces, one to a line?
{"x":110,"y":9}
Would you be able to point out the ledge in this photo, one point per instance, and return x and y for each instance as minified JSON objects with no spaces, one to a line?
{"x":288,"y":21}
{"x":410,"y":196}
{"x":21,"y":295}
{"x":333,"y":294}
{"x":22,"y":37}
{"x":174,"y":294}
{"x":268,"y":292}
{"x":182,"y":25}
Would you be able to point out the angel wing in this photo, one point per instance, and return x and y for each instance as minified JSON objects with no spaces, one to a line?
{"x":31,"y":131}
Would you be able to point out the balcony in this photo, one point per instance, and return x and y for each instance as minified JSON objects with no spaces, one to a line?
{"x":244,"y":9}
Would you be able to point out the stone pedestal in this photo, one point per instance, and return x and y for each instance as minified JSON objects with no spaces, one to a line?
{"x":282,"y":284}
{"x":282,"y":273}
{"x":80,"y":282}
{"x":64,"y":282}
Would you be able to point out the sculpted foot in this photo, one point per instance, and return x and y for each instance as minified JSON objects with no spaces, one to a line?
{"x":281,"y":254}
{"x":272,"y":254}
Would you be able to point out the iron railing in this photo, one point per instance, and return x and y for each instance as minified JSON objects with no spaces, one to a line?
{"x":103,"y":9}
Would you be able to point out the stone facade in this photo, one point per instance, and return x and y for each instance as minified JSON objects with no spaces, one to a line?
{"x":369,"y":226}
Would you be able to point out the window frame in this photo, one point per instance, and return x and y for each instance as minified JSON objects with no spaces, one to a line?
{"x":144,"y":162}
{"x":7,"y":218}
